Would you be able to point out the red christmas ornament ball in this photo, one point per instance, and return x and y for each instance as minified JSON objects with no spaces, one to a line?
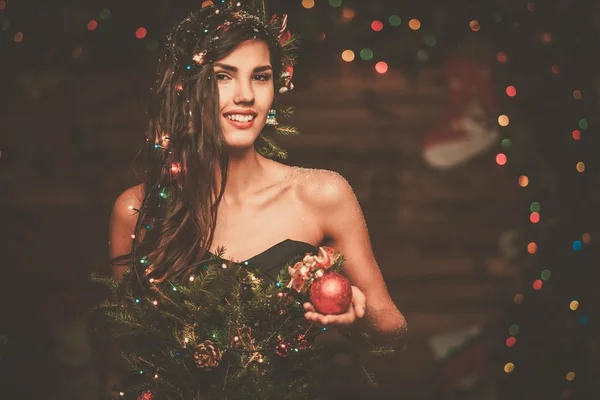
{"x":331,"y":293}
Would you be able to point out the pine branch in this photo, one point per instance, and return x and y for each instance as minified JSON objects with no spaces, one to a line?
{"x":267,"y":148}
{"x":286,"y":130}
{"x":107,"y":281}
{"x":381,"y":351}
{"x":369,"y":376}
{"x":286,"y":111}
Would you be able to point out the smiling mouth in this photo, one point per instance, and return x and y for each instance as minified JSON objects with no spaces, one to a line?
{"x":240,"y":117}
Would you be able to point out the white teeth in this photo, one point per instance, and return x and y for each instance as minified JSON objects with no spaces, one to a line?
{"x":240,"y":117}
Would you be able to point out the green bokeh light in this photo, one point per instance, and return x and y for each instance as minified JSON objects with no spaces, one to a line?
{"x":366,"y":54}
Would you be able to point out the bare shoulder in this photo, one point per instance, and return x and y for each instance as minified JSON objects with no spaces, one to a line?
{"x":323,"y":189}
{"x":124,"y":209}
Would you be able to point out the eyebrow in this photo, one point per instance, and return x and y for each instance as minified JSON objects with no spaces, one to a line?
{"x":231,"y":68}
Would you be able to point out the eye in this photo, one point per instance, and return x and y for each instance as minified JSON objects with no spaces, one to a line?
{"x":221,"y":76}
{"x":262,"y":77}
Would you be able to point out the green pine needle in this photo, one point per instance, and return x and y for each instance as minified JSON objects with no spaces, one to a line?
{"x":286,"y":130}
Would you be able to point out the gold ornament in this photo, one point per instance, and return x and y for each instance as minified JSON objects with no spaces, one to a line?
{"x":207,"y":355}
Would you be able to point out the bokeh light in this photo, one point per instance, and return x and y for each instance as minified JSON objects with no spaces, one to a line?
{"x":104,"y":14}
{"x":430,"y":40}
{"x":576,"y":134}
{"x":580,"y":167}
{"x":501,"y":159}
{"x":535,"y":207}
{"x":570,"y":376}
{"x":377,"y":25}
{"x":573,"y":305}
{"x":583,"y":124}
{"x":141,"y":32}
{"x":335,"y":3}
{"x":555,"y":69}
{"x":475,"y":26}
{"x":381,"y":67}
{"x":577,"y":94}
{"x":511,"y":341}
{"x":348,"y":13}
{"x":502,"y":57}
{"x":509,"y":367}
{"x":503,"y":120}
{"x":207,"y":3}
{"x":513,"y":330}
{"x":532,"y":247}
{"x":414,"y":24}
{"x":348,"y":55}
{"x":92,"y":25}
{"x":546,"y":275}
{"x":546,"y":38}
{"x":576,"y":245}
{"x":308,"y":3}
{"x":586,"y":237}
{"x":537,"y":284}
{"x":530,"y":6}
{"x":523,"y":181}
{"x":395,"y":20}
{"x":518,"y":299}
{"x":511,"y":91}
{"x":506,"y":143}
{"x":534,"y":217}
{"x":366,"y":54}
{"x":18,"y":37}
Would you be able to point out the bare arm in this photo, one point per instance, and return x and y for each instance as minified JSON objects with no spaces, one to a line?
{"x":344,"y":226}
{"x":122,"y":225}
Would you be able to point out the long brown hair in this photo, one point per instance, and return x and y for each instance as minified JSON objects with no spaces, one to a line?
{"x":185,"y":148}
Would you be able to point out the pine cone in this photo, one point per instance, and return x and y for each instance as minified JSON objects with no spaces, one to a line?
{"x":207,"y":356}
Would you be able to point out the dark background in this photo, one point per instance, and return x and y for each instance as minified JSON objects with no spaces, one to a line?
{"x":452,"y":243}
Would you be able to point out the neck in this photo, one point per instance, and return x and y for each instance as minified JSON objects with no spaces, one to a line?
{"x":248,"y":170}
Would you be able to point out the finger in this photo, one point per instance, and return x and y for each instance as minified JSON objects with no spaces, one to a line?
{"x":359,"y":301}
{"x":308,"y":307}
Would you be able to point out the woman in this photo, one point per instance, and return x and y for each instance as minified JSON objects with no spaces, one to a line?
{"x":208,"y":185}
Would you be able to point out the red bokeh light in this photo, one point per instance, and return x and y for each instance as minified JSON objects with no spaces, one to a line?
{"x":511,"y":91}
{"x":377,"y":26}
{"x":501,"y":159}
{"x":92,"y":25}
{"x":141,"y":33}
{"x":381,"y":67}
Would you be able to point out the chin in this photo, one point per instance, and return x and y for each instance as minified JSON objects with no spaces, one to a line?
{"x":241,"y":139}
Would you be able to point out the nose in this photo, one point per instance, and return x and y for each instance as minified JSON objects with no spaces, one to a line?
{"x":244,"y":93}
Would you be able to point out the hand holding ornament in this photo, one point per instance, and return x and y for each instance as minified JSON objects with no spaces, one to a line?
{"x":333,"y":300}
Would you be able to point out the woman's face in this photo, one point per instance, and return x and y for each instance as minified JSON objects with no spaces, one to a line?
{"x":246,"y":90}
